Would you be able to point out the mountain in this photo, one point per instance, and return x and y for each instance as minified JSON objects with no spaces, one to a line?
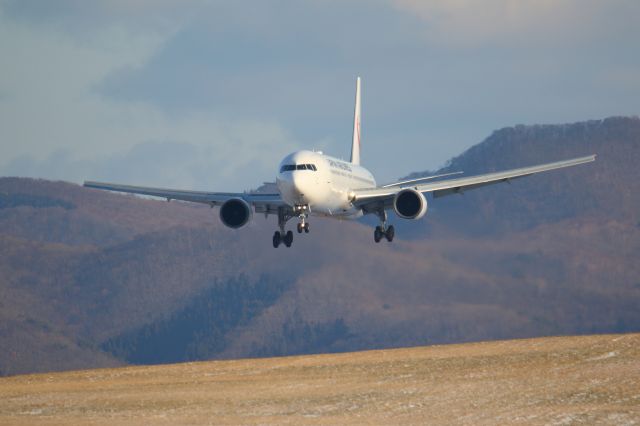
{"x":93,"y":279}
{"x":611,"y":182}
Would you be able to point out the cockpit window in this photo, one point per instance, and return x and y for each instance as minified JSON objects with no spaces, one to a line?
{"x":287,"y":168}
{"x":291,"y":167}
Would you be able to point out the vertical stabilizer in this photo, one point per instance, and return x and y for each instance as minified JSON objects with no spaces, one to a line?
{"x":355,"y":144}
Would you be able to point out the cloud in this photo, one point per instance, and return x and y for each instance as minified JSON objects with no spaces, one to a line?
{"x":540,"y":23}
{"x":243,"y":83}
{"x":92,"y":80}
{"x":52,"y":111}
{"x":82,"y":19}
{"x":179,"y":165}
{"x":294,"y":59}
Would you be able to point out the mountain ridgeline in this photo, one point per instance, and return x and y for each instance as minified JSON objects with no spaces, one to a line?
{"x":525,"y":204}
{"x":96,"y":279}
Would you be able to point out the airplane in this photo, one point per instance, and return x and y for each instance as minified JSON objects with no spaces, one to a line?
{"x":310,"y":183}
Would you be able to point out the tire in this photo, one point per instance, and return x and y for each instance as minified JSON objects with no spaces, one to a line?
{"x":288,"y":238}
{"x":300,"y":228}
{"x":391,"y":232}
{"x":306,"y":228}
{"x":377,"y":234}
{"x":277,"y":238}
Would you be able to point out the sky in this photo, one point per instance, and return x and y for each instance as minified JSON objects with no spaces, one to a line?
{"x":210,"y":95}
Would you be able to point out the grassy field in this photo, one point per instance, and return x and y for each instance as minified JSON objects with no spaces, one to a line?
{"x":560,"y":380}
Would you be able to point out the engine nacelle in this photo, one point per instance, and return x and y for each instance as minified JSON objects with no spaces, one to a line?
{"x":235,"y":213}
{"x":410,"y":204}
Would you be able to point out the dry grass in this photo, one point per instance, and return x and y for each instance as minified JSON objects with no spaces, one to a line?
{"x":563,"y":380}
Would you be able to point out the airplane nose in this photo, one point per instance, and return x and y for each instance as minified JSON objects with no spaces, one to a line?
{"x":301,"y":184}
{"x":298,"y":184}
{"x":297,"y":187}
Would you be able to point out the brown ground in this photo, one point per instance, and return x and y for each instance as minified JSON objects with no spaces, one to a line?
{"x":563,"y":380}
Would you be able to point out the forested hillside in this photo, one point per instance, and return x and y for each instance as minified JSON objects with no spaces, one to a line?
{"x":607,"y":187}
{"x":91,"y":279}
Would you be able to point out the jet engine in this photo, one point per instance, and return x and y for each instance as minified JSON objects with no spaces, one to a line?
{"x":235,"y":213}
{"x":410,"y":204}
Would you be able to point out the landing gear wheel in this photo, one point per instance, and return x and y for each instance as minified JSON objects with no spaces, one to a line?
{"x":390,"y":233}
{"x":377,"y":234}
{"x":306,"y":228}
{"x":288,"y":238}
{"x":300,"y":227}
{"x":277,"y":238}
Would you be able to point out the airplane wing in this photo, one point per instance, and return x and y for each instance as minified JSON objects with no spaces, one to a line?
{"x":262,"y":202}
{"x":369,"y":199}
{"x":411,"y":182}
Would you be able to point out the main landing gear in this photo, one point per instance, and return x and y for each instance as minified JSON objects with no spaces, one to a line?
{"x":281,"y":237}
{"x":383,"y":230}
{"x":380,"y":232}
{"x":302,"y":212}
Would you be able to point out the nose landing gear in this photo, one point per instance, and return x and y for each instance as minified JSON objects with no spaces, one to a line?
{"x":302,"y":212}
{"x":303,"y":226}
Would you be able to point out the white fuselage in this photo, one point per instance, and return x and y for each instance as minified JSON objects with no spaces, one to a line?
{"x":324,"y":184}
